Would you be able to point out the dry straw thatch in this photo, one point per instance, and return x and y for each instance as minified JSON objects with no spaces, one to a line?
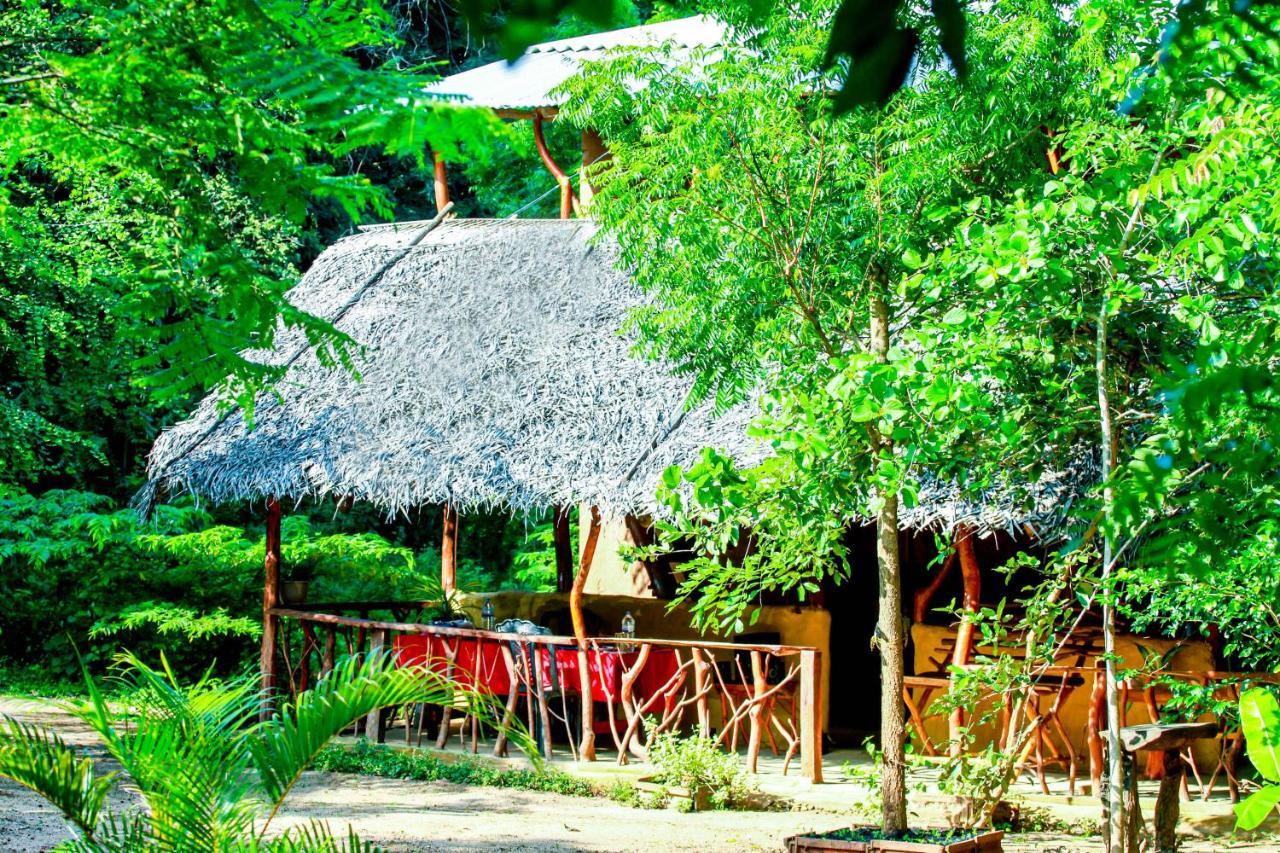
{"x":492,"y":376}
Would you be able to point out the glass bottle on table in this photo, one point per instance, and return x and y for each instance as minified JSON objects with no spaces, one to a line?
{"x":628,"y":626}
{"x":486,"y":613}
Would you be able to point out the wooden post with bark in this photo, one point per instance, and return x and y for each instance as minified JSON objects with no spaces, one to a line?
{"x":449,"y":551}
{"x":964,"y":634}
{"x":440,"y":182}
{"x":563,"y":544}
{"x":811,"y":714}
{"x":587,"y":749}
{"x":375,"y":728}
{"x":270,"y":597}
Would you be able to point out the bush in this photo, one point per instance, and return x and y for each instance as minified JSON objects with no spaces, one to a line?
{"x":697,"y":763}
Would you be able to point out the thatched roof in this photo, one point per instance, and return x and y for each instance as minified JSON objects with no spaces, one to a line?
{"x":492,"y":376}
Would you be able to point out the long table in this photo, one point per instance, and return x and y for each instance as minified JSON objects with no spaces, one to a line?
{"x":482,"y":665}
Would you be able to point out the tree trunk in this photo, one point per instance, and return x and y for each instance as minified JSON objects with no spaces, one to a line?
{"x":1115,"y":769}
{"x":889,"y":624}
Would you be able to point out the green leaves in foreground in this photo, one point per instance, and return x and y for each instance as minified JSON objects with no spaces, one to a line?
{"x":1260,"y":720}
{"x":206,"y":769}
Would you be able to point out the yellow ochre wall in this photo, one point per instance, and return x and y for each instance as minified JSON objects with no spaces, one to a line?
{"x":926,"y":642}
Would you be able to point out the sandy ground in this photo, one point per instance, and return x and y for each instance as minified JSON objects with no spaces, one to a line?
{"x":416,"y":816}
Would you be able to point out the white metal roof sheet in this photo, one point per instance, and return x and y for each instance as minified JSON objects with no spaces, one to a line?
{"x":526,"y":83}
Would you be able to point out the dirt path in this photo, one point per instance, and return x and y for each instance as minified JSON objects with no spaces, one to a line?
{"x":420,"y":816}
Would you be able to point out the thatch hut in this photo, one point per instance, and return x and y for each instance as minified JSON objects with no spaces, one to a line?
{"x":490,"y":373}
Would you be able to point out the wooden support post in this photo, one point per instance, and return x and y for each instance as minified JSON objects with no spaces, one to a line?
{"x":756,"y":712}
{"x":566,"y":189}
{"x":700,"y":668}
{"x":923,"y":597}
{"x":449,"y":551}
{"x":270,"y":595}
{"x":1097,"y":721}
{"x":441,"y":183}
{"x":587,"y":749}
{"x":374,"y":729}
{"x":964,"y":635}
{"x":563,"y":543}
{"x":811,"y":714}
{"x":593,"y":152}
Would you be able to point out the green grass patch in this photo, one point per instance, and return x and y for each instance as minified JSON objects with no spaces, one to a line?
{"x":37,"y":683}
{"x":381,"y":760}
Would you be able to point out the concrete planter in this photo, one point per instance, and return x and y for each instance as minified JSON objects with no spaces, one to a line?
{"x":699,"y":800}
{"x":982,"y":842}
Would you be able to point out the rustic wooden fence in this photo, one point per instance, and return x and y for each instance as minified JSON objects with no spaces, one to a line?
{"x":738,"y":693}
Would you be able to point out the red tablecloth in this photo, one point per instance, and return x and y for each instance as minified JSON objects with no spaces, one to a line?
{"x":480,"y":663}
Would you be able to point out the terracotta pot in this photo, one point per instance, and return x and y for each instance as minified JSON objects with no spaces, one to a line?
{"x":294,"y":592}
{"x":981,"y":842}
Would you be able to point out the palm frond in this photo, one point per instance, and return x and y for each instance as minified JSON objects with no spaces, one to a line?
{"x":316,"y":837}
{"x":42,"y":761}
{"x":284,"y":746}
{"x":186,"y":754}
{"x":115,"y":833}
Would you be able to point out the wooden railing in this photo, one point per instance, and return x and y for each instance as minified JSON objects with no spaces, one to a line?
{"x":716,"y":689}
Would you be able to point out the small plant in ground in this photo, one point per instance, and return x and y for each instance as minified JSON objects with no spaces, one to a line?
{"x":698,"y":764}
{"x":870,"y":776}
{"x":627,"y":794}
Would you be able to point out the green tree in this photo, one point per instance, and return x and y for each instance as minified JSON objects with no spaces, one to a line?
{"x":781,"y":246}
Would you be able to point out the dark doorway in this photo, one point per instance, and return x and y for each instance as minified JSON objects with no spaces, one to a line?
{"x":855,"y":666}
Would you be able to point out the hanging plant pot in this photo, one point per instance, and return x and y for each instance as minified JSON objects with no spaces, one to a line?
{"x":864,"y":839}
{"x":294,"y":592}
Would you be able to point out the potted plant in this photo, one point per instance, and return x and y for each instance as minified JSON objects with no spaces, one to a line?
{"x":694,"y":773}
{"x":857,"y":839}
{"x":298,"y":575}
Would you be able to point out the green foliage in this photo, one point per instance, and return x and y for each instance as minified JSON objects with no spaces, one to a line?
{"x":1260,"y":722}
{"x":212,"y":127}
{"x":699,"y":765}
{"x":534,"y":563}
{"x":380,"y":760}
{"x":205,"y":767}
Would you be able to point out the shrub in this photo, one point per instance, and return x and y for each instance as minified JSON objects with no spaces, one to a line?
{"x":697,"y":763}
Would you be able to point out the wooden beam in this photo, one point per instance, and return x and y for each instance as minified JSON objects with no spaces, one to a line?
{"x":270,"y":597}
{"x":563,"y":542}
{"x":449,"y":550}
{"x":375,"y":728}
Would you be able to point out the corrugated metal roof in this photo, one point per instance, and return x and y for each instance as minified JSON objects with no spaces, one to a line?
{"x":526,"y":83}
